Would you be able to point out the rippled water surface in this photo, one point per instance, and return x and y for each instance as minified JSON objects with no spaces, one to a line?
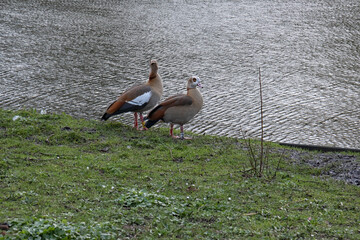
{"x":77,"y":56}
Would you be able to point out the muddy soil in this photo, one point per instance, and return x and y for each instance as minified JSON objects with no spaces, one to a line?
{"x":340,"y":166}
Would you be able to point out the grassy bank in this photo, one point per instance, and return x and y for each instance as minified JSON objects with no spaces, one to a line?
{"x":75,"y":179}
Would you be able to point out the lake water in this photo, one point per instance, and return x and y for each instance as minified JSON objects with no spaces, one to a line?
{"x":78,"y":56}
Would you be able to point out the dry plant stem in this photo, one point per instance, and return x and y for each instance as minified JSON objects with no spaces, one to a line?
{"x":259,"y":164}
{"x":171,"y":155}
{"x":260,"y":160}
{"x":252,"y":158}
{"x":278,"y":164}
{"x":266,"y":161}
{"x":262,"y":126}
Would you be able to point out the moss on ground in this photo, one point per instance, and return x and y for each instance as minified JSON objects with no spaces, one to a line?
{"x":70,"y":178}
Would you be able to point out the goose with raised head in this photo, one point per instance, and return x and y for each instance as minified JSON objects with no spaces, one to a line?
{"x":178,"y":109}
{"x":140,"y":98}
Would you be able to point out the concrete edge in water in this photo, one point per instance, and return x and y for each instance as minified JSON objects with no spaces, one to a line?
{"x":319,"y":148}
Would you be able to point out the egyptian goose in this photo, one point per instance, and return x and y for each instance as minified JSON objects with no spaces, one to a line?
{"x":140,"y":98}
{"x":178,"y":109}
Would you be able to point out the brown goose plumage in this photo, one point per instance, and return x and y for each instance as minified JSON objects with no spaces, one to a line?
{"x":178,"y":109}
{"x":140,"y":98}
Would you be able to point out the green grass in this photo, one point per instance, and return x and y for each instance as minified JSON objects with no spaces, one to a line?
{"x":67,"y":178}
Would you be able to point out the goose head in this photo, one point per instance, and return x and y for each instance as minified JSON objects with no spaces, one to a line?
{"x":194,"y":82}
{"x":153,"y":66}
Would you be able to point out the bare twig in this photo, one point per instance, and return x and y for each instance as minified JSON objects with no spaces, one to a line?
{"x":259,"y":158}
{"x":262,"y":126}
{"x":171,"y":155}
{"x":278,"y":164}
{"x":252,"y":158}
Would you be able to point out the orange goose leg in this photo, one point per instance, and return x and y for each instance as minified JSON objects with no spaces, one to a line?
{"x":142,"y":122}
{"x":172,"y":130}
{"x":135,"y":121}
{"x":181,"y":132}
{"x":182,"y":137}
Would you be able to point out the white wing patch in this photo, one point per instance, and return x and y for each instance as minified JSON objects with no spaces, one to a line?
{"x":141,"y":100}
